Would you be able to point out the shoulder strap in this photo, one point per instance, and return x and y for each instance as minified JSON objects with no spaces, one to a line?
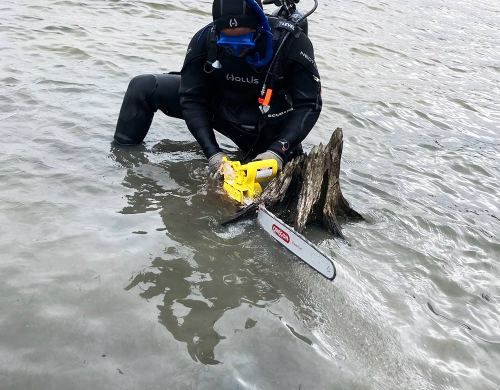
{"x":282,"y":31}
{"x":212,"y":48}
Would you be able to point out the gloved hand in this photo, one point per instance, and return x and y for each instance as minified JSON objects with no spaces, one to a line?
{"x":214,"y":165}
{"x":268,"y":155}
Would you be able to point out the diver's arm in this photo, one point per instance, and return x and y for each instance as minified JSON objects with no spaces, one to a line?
{"x":304,"y":87}
{"x":194,"y":95}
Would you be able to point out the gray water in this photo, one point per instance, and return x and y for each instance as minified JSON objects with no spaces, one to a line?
{"x":116,"y":275}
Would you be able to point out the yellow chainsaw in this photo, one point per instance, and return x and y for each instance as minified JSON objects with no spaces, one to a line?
{"x":242,"y":181}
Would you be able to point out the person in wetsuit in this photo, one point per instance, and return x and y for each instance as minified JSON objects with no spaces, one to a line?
{"x":240,"y":77}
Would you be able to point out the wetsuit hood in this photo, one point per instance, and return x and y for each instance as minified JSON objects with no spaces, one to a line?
{"x":235,"y":13}
{"x":244,"y":13}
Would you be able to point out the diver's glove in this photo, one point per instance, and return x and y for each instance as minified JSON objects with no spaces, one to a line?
{"x":268,"y":155}
{"x":214,"y":165}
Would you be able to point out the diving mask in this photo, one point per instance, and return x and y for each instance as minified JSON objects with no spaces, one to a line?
{"x":237,"y":45}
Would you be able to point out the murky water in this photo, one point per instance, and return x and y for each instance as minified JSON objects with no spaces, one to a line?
{"x":116,"y":275}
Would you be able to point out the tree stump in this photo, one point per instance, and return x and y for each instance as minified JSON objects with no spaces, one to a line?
{"x":308,"y":190}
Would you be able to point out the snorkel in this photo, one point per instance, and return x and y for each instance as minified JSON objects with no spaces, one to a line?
{"x":267,"y":36}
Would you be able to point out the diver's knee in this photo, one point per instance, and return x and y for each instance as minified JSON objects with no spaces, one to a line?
{"x":142,"y":85}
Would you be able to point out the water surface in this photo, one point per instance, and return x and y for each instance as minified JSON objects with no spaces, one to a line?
{"x":116,"y":274}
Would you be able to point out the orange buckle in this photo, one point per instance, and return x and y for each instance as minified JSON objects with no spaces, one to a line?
{"x":267,"y":98}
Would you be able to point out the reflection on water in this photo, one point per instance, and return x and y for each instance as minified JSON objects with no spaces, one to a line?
{"x":200,"y":285}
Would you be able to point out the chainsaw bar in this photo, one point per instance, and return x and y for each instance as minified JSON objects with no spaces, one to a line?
{"x":296,"y":243}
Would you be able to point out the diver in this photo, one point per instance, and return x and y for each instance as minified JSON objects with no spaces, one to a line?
{"x":249,"y":76}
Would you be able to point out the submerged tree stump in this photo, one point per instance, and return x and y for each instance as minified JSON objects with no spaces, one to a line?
{"x":308,"y":190}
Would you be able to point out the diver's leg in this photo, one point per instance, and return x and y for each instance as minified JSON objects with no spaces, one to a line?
{"x":166,"y":95}
{"x":146,"y":94}
{"x":136,"y":114}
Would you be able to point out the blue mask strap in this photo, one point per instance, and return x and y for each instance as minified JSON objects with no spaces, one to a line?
{"x":267,"y":35}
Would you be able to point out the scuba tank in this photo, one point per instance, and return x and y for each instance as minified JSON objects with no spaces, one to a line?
{"x":298,"y":18}
{"x":288,"y":10}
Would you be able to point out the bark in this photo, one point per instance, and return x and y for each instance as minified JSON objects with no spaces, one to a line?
{"x":308,"y":190}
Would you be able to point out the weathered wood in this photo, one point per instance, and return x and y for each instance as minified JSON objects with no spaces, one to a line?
{"x":308,"y":190}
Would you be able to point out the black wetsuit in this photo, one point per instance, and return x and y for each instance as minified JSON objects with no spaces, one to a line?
{"x":226,"y":99}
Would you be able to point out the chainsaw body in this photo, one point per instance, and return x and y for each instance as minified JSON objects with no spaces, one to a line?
{"x":242,"y":181}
